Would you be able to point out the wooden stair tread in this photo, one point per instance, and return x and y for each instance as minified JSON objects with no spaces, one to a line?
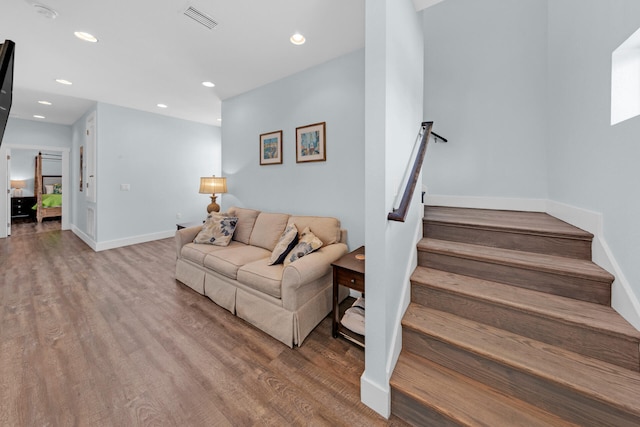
{"x":526,"y":260}
{"x":602,"y":381}
{"x":538,"y":223}
{"x":566,"y":310}
{"x":467,"y":402}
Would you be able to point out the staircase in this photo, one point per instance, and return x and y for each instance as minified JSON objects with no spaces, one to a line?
{"x":510,"y":324}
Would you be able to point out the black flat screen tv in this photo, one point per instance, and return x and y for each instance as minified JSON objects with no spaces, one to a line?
{"x":6,"y":79}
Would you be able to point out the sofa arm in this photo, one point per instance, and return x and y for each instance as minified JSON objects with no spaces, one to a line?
{"x":310,"y":267}
{"x":184,"y":236}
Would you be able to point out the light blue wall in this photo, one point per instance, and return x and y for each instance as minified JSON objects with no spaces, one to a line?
{"x":592,"y":164}
{"x":333,"y":93}
{"x":162,"y":159}
{"x":485,"y":89}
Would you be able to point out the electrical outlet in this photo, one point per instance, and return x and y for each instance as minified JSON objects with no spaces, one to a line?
{"x":125,"y":187}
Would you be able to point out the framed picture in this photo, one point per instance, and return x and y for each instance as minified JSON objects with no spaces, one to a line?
{"x":271,"y":148}
{"x":311,"y":143}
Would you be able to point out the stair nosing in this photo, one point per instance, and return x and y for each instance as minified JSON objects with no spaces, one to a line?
{"x":624,"y":330}
{"x":568,"y":378}
{"x":505,"y":229}
{"x":455,"y":216}
{"x":508,"y":258}
{"x":408,"y":360}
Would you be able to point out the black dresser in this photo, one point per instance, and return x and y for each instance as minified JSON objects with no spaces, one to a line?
{"x":21,"y":207}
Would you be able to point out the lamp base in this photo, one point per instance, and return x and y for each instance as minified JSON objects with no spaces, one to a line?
{"x":213,"y":206}
{"x":17,"y":192}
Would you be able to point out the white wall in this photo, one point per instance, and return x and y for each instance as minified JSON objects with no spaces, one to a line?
{"x":592,"y":164}
{"x":332,"y":92}
{"x":485,"y":90}
{"x":162,"y":159}
{"x":393,"y":97}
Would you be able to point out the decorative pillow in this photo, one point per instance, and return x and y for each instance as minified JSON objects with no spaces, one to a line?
{"x":307,"y":243}
{"x":48,"y":189}
{"x":287,"y":241}
{"x":57,"y":188}
{"x":217,"y":229}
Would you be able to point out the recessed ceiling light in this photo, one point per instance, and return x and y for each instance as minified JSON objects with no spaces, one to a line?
{"x":64,"y":82}
{"x":162,"y":105}
{"x":85,"y":36}
{"x":297,"y":39}
{"x":38,"y":116}
{"x":44,"y":102}
{"x":208,"y":84}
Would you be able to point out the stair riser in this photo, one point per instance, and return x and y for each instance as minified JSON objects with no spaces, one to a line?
{"x":550,"y":245}
{"x":544,"y":393}
{"x":415,"y":413}
{"x":570,"y":336}
{"x":567,"y":286}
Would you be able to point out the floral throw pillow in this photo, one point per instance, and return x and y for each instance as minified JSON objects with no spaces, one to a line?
{"x":286,"y":242}
{"x":57,"y":188}
{"x":217,"y":230}
{"x":307,"y":243}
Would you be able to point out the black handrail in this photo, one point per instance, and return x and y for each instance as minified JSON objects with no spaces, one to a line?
{"x":400,"y":213}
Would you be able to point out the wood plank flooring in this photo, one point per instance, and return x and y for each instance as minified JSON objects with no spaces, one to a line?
{"x":110,"y":338}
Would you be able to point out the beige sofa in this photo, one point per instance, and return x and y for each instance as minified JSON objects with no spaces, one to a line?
{"x":285,"y":302}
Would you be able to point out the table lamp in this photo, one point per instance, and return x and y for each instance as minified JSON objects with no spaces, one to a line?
{"x":212,"y":185}
{"x":18,"y":185}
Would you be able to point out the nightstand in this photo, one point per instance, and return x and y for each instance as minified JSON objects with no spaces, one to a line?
{"x":348,"y":271}
{"x":21,"y":207}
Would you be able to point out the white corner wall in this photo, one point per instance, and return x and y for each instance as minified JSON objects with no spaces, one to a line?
{"x":332,"y":92}
{"x":394,"y":89}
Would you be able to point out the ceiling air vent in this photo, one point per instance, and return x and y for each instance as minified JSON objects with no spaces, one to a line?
{"x":200,"y":17}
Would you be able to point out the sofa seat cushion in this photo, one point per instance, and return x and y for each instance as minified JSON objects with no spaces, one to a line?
{"x":261,"y":276}
{"x":195,"y":252}
{"x":228,"y":261}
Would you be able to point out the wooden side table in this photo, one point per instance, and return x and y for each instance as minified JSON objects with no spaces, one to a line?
{"x":348,"y":271}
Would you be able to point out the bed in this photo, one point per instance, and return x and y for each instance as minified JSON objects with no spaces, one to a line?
{"x":48,"y":191}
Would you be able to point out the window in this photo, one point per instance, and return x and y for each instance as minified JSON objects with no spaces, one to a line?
{"x":625,"y":80}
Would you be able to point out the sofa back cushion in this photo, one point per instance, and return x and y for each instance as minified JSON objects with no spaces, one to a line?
{"x":325,"y":228}
{"x":267,"y":229}
{"x":244,"y":226}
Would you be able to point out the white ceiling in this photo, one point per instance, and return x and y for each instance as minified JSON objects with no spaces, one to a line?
{"x":149,"y":52}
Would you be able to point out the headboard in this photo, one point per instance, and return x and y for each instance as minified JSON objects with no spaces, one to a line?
{"x":50,"y":180}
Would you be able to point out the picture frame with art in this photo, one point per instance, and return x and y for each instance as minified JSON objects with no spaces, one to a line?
{"x":271,"y":148}
{"x":311,"y":143}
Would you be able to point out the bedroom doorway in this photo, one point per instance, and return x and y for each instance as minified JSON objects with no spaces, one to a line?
{"x":18,"y":210}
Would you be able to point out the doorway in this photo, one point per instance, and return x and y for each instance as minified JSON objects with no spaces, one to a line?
{"x":8,"y":170}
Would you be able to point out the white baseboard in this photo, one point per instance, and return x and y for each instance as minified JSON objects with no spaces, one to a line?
{"x":623,"y":298}
{"x":133,"y":240}
{"x":84,"y":237}
{"x":375,"y":396}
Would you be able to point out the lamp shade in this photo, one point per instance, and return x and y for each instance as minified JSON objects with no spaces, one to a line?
{"x":213,"y":185}
{"x":18,"y":183}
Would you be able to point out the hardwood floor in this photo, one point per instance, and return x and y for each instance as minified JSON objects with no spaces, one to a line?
{"x":20,"y":227}
{"x":110,"y":338}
